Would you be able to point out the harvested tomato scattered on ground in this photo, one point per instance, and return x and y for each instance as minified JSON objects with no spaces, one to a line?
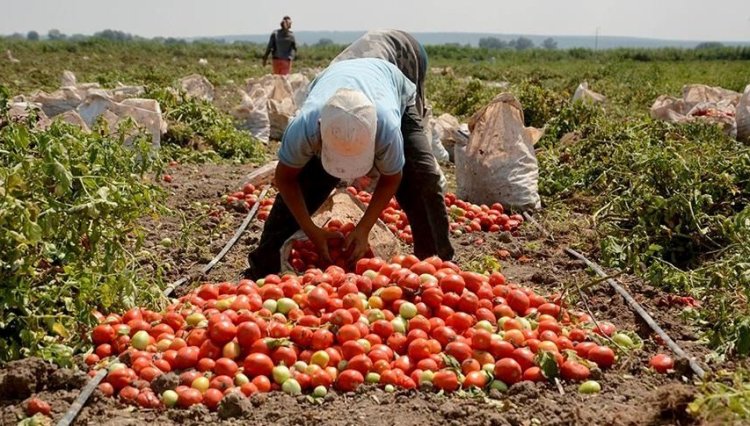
{"x":402,"y":323}
{"x":244,"y":200}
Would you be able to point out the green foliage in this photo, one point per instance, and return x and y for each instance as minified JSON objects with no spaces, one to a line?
{"x":724,"y":401}
{"x":199,"y":125}
{"x":459,"y":97}
{"x":540,"y":104}
{"x":68,"y":208}
{"x":671,"y":203}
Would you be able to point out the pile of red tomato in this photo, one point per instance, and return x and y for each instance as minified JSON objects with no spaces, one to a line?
{"x":402,"y":323}
{"x":304,"y":254}
{"x":465,"y":217}
{"x":244,"y":200}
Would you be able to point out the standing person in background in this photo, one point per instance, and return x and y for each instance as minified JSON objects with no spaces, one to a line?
{"x":282,"y":47}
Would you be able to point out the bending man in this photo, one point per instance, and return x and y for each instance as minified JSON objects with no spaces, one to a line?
{"x":361,"y":112}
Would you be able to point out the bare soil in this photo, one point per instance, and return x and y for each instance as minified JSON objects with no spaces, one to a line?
{"x":631,"y":394}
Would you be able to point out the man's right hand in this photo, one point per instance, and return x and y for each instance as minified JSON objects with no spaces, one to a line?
{"x":319,"y":237}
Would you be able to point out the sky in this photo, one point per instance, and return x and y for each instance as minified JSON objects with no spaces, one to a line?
{"x":691,"y":20}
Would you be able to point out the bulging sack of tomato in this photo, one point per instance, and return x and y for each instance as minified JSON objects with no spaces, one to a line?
{"x":343,"y":207}
{"x":498,"y":163}
{"x":743,"y":116}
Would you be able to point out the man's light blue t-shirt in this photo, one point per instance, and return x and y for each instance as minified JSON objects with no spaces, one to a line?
{"x":382,"y":82}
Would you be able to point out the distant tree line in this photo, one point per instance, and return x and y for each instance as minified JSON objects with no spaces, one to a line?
{"x":489,"y":47}
{"x":520,"y":43}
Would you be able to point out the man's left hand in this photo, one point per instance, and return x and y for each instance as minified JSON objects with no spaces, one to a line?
{"x":356,"y":244}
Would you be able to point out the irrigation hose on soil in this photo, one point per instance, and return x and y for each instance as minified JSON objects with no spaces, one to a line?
{"x":641,"y":312}
{"x":87,"y":390}
{"x":631,"y":301}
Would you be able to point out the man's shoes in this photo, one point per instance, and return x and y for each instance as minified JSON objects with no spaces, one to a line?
{"x":246,"y":274}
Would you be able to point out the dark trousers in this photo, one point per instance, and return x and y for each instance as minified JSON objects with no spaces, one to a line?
{"x":419,"y":195}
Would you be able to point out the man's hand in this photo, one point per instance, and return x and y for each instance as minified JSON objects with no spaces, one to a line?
{"x":319,"y":237}
{"x":356,"y":243}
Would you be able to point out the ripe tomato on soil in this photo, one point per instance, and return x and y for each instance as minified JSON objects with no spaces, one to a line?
{"x":401,"y":322}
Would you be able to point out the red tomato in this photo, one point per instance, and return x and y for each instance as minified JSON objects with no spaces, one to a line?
{"x":348,"y":332}
{"x":349,"y":380}
{"x":445,"y":380}
{"x":361,"y":363}
{"x":533,"y":374}
{"x":459,"y":350}
{"x":247,"y":333}
{"x":225,"y":367}
{"x":605,"y":328}
{"x":460,"y":321}
{"x":106,"y":389}
{"x":212,"y":398}
{"x":508,"y":371}
{"x":321,"y":378}
{"x":249,"y":389}
{"x":205,"y":364}
{"x":572,"y":370}
{"x":476,"y":379}
{"x":129,"y":394}
{"x":583,"y":348}
{"x":501,"y":348}
{"x":443,"y":334}
{"x":221,"y":383}
{"x":470,"y":365}
{"x":263,"y":383}
{"x":322,"y":339}
{"x":603,"y":356}
{"x":103,"y":333}
{"x":419,"y":349}
{"x":481,"y":340}
{"x":518,"y":301}
{"x":36,"y":405}
{"x":104,"y":350}
{"x":284,"y":355}
{"x":661,"y":363}
{"x":452,"y":283}
{"x":121,"y":378}
{"x":188,"y":397}
{"x":258,"y":364}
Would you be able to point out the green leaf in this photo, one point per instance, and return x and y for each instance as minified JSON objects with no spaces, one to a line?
{"x":33,"y":232}
{"x":64,"y":177}
{"x":547,"y":363}
{"x":743,"y":338}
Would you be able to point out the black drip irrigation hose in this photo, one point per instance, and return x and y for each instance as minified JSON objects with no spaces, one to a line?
{"x":87,"y":390}
{"x":630,"y":300}
{"x":642,"y":313}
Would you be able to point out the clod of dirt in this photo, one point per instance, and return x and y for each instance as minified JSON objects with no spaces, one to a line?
{"x":193,"y":415}
{"x":682,"y":367}
{"x":259,"y":399}
{"x":64,"y":378}
{"x":450,"y":411}
{"x":164,"y":382}
{"x":19,"y":379}
{"x":505,"y":237}
{"x":524,"y":390}
{"x":574,"y":264}
{"x":542,"y":277}
{"x":496,"y":394}
{"x":672,"y":401}
{"x":234,"y":405}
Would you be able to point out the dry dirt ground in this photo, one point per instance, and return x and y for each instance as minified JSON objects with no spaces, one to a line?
{"x":631,"y":394}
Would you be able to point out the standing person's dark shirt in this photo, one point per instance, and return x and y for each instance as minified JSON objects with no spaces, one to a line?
{"x":283,"y":48}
